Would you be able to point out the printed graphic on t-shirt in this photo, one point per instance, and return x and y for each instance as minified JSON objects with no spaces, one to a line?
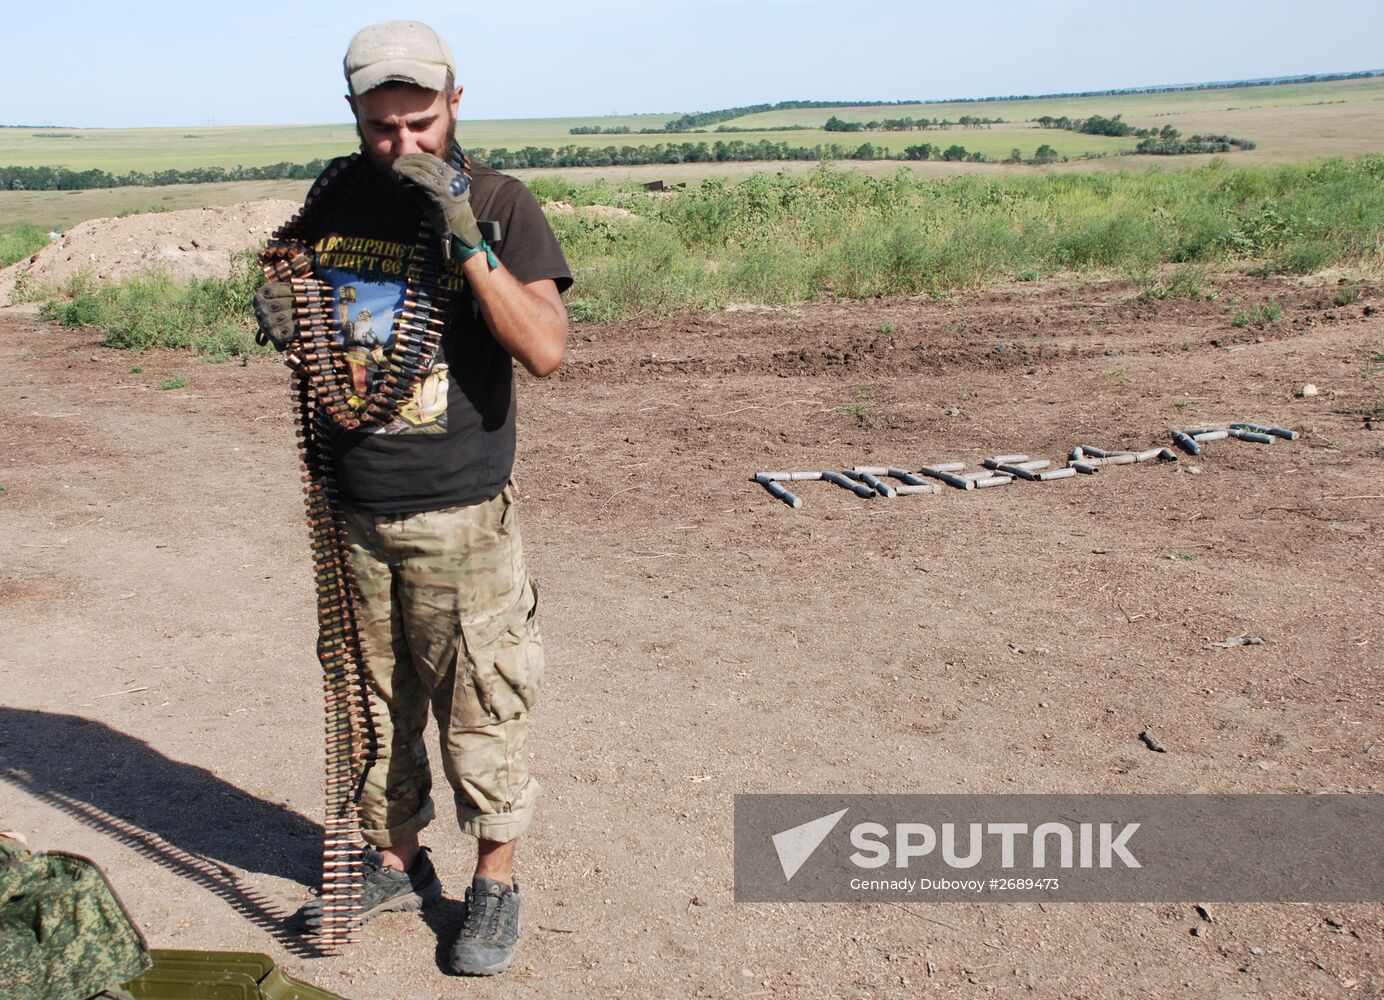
{"x":368,"y":279}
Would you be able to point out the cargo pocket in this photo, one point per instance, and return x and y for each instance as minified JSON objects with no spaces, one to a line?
{"x":503,"y":664}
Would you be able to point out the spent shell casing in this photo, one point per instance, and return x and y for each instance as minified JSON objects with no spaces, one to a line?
{"x":908,"y":489}
{"x":859,"y":489}
{"x":1185,"y":442}
{"x":1049,"y":474}
{"x":993,"y":481}
{"x":1212,"y":435}
{"x":1091,"y":449}
{"x":906,"y":477}
{"x":950,"y":478}
{"x":943,"y":467}
{"x":1017,"y":470}
{"x":791,"y":499}
{"x":1085,"y":468}
{"x":1254,"y":436}
{"x":1148,"y":454}
{"x":873,"y":470}
{"x":1005,"y":460}
{"x":883,"y":489}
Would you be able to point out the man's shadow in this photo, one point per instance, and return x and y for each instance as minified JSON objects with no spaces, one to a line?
{"x":181,"y":816}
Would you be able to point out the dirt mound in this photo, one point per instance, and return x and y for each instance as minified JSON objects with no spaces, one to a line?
{"x":196,"y":243}
{"x":594,"y":211}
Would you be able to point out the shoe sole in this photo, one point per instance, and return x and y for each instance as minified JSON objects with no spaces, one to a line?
{"x":411,"y":903}
{"x":485,"y":970}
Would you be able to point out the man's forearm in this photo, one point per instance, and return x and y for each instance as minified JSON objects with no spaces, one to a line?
{"x":529,"y":321}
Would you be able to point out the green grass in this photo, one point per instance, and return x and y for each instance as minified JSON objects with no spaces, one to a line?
{"x":1187,"y":281}
{"x":781,"y":238}
{"x":1260,"y":314}
{"x":210,"y":316}
{"x":21,"y":242}
{"x":176,"y":382}
{"x":778,"y":238}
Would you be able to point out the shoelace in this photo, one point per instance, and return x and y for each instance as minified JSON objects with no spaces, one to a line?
{"x":488,"y":924}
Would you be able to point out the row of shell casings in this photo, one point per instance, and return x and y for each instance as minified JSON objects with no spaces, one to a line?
{"x":1190,"y":439}
{"x":1087,"y":459}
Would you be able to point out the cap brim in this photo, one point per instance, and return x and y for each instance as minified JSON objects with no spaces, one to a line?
{"x":429,"y":76}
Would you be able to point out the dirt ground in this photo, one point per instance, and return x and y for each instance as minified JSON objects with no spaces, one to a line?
{"x":160,"y":708}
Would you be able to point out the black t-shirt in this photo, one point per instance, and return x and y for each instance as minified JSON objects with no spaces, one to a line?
{"x":452,"y":443}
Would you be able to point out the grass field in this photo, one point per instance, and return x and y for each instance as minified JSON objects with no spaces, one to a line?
{"x":1132,"y":106}
{"x":1287,"y":121}
{"x":1290,"y":123}
{"x":60,"y":210}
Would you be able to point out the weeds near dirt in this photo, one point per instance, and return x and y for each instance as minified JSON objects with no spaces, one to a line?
{"x":1347,"y":297}
{"x":1261,"y":314}
{"x":776,"y":238}
{"x":176,"y":382}
{"x":20,"y":242}
{"x":860,"y":406}
{"x":1188,"y":281}
{"x":1181,"y":406}
{"x":886,"y":328}
{"x":211,"y":316}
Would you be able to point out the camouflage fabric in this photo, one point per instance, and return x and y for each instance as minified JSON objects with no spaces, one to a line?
{"x":447,"y":621}
{"x":64,"y":934}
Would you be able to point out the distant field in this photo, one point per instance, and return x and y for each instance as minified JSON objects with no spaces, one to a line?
{"x":1289,"y":122}
{"x":1131,"y":105}
{"x":60,"y":210}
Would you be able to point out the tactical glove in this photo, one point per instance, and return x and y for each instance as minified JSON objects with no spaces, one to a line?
{"x":446,"y":196}
{"x":273,"y":305}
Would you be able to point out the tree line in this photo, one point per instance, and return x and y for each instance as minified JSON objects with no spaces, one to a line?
{"x":1165,"y":141}
{"x":834,"y":124}
{"x":63,"y":179}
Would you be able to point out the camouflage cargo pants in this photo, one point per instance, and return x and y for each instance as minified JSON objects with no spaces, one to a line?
{"x":447,"y":622}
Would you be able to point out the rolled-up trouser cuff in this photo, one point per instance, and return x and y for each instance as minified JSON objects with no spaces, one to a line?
{"x":406,"y":830}
{"x":499,"y":826}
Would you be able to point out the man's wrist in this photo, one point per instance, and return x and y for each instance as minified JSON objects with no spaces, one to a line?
{"x":462,"y":252}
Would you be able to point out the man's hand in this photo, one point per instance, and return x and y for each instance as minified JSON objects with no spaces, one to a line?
{"x":446,"y":196}
{"x":273,"y":305}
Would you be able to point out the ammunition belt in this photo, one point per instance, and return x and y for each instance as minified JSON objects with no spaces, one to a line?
{"x":325,"y":400}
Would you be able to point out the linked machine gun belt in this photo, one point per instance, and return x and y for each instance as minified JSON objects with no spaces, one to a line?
{"x":326,"y":401}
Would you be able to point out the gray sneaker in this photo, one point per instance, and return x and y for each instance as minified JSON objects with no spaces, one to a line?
{"x":489,"y":929}
{"x":386,"y":889}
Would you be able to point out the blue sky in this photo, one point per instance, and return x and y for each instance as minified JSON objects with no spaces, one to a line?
{"x":186,"y":63}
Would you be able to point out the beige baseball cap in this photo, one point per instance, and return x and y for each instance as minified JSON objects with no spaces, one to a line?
{"x":408,"y":51}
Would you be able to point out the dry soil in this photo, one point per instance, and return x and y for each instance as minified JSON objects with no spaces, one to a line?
{"x":160,"y":700}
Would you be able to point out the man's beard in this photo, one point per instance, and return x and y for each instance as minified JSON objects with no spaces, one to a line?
{"x":384,"y":167}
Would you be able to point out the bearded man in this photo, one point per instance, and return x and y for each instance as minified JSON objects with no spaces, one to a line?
{"x":447,"y":604}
